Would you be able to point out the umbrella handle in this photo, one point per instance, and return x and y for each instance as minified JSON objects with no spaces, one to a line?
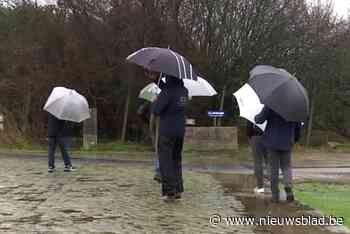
{"x":160,"y":77}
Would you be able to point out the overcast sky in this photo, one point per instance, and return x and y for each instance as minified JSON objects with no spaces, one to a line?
{"x":340,"y":6}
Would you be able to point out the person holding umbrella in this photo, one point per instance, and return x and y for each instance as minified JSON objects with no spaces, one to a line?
{"x":286,"y":106}
{"x":260,"y":156}
{"x":249,"y":106}
{"x":63,"y":105}
{"x":57,"y":135}
{"x":153,"y":121}
{"x":279,"y":138}
{"x":170,"y":107}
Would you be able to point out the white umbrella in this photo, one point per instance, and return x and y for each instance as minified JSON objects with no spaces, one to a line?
{"x":67,"y":104}
{"x":249,"y":104}
{"x":150,"y":92}
{"x":201,"y":87}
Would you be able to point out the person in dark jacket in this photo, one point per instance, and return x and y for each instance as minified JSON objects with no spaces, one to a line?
{"x":57,"y":135}
{"x":170,"y":107}
{"x":279,"y":138}
{"x":260,"y":155}
{"x":153,"y":122}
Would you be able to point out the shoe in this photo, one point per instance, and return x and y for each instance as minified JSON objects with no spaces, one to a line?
{"x":275,"y":199}
{"x":259,"y":190}
{"x":177,"y":196}
{"x":51,"y":169}
{"x":289,"y":194}
{"x":69,"y":168}
{"x":168,"y":198}
{"x":157,"y":178}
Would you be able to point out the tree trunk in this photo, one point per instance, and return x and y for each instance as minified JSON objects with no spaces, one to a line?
{"x":222,"y":102}
{"x":26,"y":113}
{"x":309,"y":127}
{"x":126,"y":114}
{"x":126,"y":110}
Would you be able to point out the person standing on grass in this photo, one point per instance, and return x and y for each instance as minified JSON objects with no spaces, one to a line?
{"x":170,"y":107}
{"x":260,"y":156}
{"x":57,"y":135}
{"x":279,"y":138}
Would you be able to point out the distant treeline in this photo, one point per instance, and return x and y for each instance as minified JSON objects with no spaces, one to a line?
{"x":82,"y":44}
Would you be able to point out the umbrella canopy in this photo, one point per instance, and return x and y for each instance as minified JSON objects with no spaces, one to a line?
{"x":280,"y":91}
{"x":67,"y":104}
{"x":150,"y":92}
{"x":163,"y":60}
{"x":198,"y":88}
{"x":201,"y":87}
{"x":249,"y":104}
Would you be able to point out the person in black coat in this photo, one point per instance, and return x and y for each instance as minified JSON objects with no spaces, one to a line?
{"x":260,"y":155}
{"x":170,"y":107}
{"x":57,"y":135}
{"x":279,"y":138}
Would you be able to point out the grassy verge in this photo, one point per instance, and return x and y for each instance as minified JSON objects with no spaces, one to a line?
{"x":331,"y":199}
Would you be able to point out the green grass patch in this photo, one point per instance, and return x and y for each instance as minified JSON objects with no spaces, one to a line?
{"x":331,"y":199}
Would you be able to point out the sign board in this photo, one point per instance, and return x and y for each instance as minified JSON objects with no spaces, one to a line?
{"x":190,"y":122}
{"x":216,"y":114}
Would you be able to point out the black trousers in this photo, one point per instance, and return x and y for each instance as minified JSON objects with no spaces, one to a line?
{"x":170,"y":160}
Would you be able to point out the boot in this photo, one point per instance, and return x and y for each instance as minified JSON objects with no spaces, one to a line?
{"x":289,"y":193}
{"x":275,"y":198}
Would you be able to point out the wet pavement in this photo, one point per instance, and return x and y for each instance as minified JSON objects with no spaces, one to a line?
{"x":121,"y":197}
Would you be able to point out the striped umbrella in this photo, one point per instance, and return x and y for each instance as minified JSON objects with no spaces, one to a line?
{"x":163,"y":60}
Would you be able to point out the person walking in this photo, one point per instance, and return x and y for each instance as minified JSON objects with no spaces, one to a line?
{"x":57,"y":135}
{"x":279,"y":138}
{"x":260,"y":155}
{"x":170,"y":107}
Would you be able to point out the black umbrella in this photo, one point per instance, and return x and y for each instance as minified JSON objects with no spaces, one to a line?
{"x":280,"y":91}
{"x":165,"y":61}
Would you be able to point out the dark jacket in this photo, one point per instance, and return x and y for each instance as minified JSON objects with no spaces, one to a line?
{"x":279,"y":133}
{"x":144,"y":111}
{"x":253,"y":130}
{"x":170,"y":107}
{"x":57,"y":127}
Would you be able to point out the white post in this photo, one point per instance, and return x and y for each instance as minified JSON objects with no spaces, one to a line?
{"x":90,"y":130}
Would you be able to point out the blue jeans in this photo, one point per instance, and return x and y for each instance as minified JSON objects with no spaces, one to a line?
{"x":157,"y":170}
{"x":63,"y":144}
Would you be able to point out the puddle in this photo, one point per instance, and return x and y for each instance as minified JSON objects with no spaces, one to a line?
{"x":70,"y":211}
{"x":241,"y":186}
{"x":33,"y":219}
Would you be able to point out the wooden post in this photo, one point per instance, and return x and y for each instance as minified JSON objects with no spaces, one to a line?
{"x":1,"y":122}
{"x":90,"y":130}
